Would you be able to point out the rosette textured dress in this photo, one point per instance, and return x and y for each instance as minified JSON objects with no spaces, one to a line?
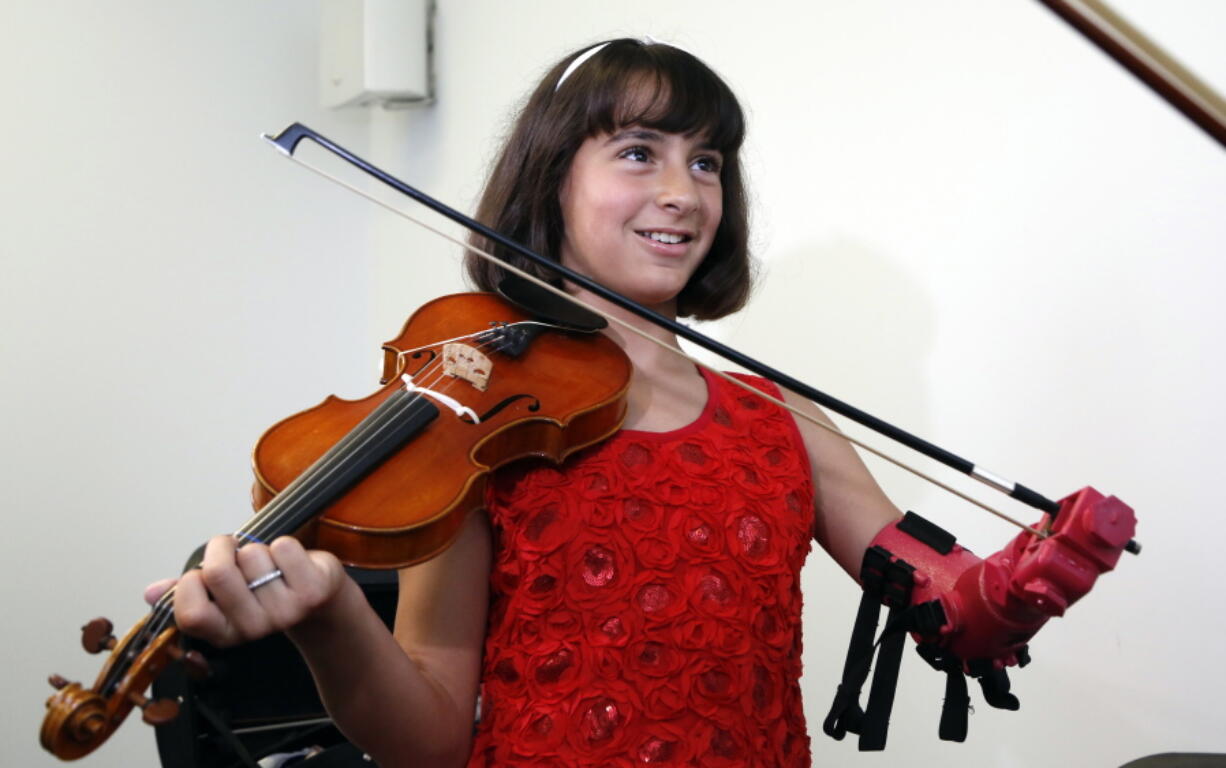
{"x":646,"y":599}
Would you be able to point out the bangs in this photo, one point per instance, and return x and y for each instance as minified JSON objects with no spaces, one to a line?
{"x":659,"y":87}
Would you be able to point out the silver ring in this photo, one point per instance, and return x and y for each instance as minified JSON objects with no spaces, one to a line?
{"x":272,"y":575}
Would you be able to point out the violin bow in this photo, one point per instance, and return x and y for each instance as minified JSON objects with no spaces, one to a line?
{"x":287,"y":142}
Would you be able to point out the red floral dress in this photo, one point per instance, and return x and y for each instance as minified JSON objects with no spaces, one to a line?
{"x":646,"y":598}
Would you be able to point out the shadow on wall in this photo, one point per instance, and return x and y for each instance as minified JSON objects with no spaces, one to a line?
{"x":851,"y":322}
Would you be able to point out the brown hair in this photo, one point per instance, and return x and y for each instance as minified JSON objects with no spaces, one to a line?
{"x":628,"y":82}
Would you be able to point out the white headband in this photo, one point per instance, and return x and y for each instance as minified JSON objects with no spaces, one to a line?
{"x":595,"y":49}
{"x":578,"y":62}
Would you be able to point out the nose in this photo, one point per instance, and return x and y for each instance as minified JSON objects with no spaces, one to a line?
{"x":678,"y":191}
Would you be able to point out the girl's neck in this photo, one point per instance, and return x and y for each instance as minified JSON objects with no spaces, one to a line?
{"x":666,"y":391}
{"x":646,"y":354}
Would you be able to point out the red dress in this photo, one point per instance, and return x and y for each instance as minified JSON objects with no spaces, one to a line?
{"x":646,"y":598}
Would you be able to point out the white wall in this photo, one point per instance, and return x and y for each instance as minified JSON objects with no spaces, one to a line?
{"x":971,"y":223}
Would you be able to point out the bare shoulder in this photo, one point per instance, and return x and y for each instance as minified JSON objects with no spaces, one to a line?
{"x":849,"y":506}
{"x":828,"y":449}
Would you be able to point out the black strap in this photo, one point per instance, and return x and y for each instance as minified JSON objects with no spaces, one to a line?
{"x":885,"y":682}
{"x":957,"y":703}
{"x":889,"y":581}
{"x":924,"y":530}
{"x":845,"y":713}
{"x":955,"y":708}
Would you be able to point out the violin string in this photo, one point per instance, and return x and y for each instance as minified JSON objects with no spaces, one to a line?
{"x":681,"y":353}
{"x":466,"y":337}
{"x":280,"y":509}
{"x":275,"y":518}
{"x":281,"y":514}
{"x":154,"y":623}
{"x":162,"y":611}
{"x":363,"y":433}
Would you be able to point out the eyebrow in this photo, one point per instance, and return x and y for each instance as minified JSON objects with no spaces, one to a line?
{"x":642,"y":134}
{"x":647,"y":134}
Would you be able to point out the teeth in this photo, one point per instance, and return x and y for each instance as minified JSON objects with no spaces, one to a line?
{"x":664,"y":237}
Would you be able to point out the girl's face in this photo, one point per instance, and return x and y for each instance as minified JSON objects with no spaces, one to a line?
{"x":641,"y":208}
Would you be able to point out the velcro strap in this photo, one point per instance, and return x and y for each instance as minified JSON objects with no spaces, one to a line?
{"x":885,"y":578}
{"x":957,"y":703}
{"x":955,"y":708}
{"x":928,"y":532}
{"x":845,"y":713}
{"x":885,"y":682}
{"x":888,"y":581}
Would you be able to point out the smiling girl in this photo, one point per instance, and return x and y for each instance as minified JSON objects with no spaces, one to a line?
{"x":639,"y":603}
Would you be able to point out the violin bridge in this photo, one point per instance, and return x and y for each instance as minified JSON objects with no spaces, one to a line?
{"x":464,"y":362}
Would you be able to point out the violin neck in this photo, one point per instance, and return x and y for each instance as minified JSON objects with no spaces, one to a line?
{"x":388,"y":427}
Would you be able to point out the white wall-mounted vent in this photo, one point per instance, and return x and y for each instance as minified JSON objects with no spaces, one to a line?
{"x":375,"y":52}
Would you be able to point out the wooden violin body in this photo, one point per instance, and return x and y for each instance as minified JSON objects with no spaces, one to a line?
{"x":565,"y":393}
{"x":472,"y":382}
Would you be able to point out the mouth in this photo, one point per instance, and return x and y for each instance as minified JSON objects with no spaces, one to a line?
{"x":664,"y":237}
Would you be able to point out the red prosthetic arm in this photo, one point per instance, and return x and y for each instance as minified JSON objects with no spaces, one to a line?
{"x":992,"y":607}
{"x":971,"y":616}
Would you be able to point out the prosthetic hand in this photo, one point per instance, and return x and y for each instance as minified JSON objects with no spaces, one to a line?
{"x":969,"y":616}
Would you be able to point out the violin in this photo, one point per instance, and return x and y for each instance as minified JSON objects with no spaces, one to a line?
{"x":473,"y":382}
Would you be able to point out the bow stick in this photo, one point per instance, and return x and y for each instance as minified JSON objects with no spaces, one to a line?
{"x":287,"y":143}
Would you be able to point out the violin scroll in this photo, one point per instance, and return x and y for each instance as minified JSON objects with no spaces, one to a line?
{"x":80,"y":719}
{"x":76,"y":721}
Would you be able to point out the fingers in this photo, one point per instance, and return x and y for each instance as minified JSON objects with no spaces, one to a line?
{"x":228,"y":574}
{"x":197,"y":614}
{"x":217,"y":603}
{"x":280,"y":601}
{"x":314,"y":577}
{"x":154,"y":591}
{"x":198,"y":611}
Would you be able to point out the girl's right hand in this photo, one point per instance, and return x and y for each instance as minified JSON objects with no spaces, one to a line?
{"x":217,"y":603}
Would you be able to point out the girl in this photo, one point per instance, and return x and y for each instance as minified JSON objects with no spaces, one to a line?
{"x":639,"y":603}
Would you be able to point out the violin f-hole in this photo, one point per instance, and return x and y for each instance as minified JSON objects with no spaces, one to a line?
{"x":533,"y":407}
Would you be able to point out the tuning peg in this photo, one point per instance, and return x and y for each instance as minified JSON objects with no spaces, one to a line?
{"x":57,"y":682}
{"x":160,"y":712}
{"x":96,"y":636}
{"x":155,"y":711}
{"x":193,"y":662}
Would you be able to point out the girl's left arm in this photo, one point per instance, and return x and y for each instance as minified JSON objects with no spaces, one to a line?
{"x":849,"y":507}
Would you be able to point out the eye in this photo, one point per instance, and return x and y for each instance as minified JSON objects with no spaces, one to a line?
{"x":637,"y":153}
{"x":707,"y":163}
